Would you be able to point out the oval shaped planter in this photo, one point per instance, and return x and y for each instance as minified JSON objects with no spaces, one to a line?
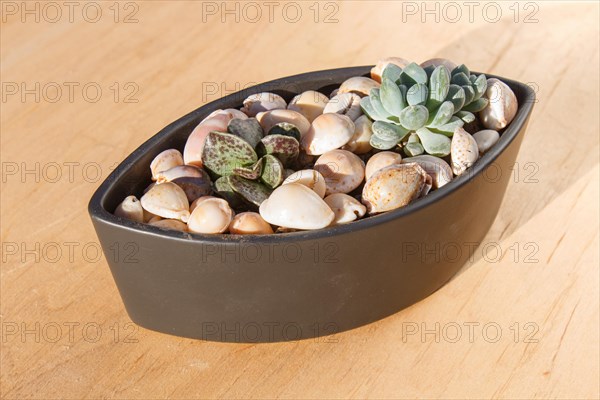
{"x":303,"y":284}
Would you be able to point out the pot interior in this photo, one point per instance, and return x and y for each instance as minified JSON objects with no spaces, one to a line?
{"x":133,"y":175}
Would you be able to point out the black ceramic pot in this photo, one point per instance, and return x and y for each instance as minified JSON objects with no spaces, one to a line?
{"x":303,"y":284}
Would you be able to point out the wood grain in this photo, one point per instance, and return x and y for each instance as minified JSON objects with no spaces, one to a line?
{"x":533,"y":308}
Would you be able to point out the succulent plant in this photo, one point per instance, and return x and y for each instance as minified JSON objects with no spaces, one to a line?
{"x":246,"y":164}
{"x":420,"y":108}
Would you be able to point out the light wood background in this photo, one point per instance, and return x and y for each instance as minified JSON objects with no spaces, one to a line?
{"x":534,"y":309}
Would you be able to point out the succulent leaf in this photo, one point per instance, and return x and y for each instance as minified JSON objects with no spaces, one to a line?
{"x":391,"y":97}
{"x":442,"y":115}
{"x":429,"y":70}
{"x":414,"y":117}
{"x":394,"y":119}
{"x":480,"y":85}
{"x":476,"y":105}
{"x":404,"y":91}
{"x":461,"y":79}
{"x":272,"y":171}
{"x":434,"y":143}
{"x":389,"y":132}
{"x":374,"y":94}
{"x":439,"y":85}
{"x":413,"y":74}
{"x":461,"y":69}
{"x":449,"y":127}
{"x":248,"y":129}
{"x":417,"y":94}
{"x":392,"y":72}
{"x":456,"y":95}
{"x":466,"y":116}
{"x":285,"y":129}
{"x":285,"y":148}
{"x":224,"y":189}
{"x":251,"y":191}
{"x":413,"y":147}
{"x":252,"y":172}
{"x":380,"y":144}
{"x":469,"y":94}
{"x":223,"y":152}
{"x":367,"y":107}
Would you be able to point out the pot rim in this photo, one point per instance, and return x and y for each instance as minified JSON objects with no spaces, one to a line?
{"x":99,"y":213}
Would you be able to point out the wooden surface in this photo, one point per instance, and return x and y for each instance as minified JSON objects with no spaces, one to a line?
{"x":534,"y":310}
